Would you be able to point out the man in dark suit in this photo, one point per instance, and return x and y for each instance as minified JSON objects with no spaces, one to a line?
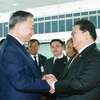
{"x":33,"y":48}
{"x":61,"y":63}
{"x":55,"y":63}
{"x":57,"y":47}
{"x":81,"y":77}
{"x":19,"y":77}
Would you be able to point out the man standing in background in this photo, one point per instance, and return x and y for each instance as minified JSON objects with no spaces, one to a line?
{"x":33,"y":48}
{"x":69,"y":49}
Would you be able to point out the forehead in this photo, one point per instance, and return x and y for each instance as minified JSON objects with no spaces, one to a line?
{"x":35,"y":42}
{"x":76,"y":27}
{"x":30,"y":20}
{"x":56,"y":43}
{"x":69,"y":42}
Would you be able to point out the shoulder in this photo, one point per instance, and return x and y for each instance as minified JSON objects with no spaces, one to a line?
{"x":42,"y":56}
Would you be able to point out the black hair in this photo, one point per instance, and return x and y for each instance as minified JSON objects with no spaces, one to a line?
{"x":61,"y":42}
{"x":33,"y":40}
{"x":86,"y":25}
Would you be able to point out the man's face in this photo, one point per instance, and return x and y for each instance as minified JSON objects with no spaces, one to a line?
{"x":33,"y":48}
{"x":78,"y":37}
{"x":70,"y":51}
{"x":26,"y":29}
{"x":57,"y":48}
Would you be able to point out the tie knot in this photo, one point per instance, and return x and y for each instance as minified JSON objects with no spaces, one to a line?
{"x":35,"y":57}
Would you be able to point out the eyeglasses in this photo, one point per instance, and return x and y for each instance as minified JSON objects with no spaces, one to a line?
{"x":74,"y":32}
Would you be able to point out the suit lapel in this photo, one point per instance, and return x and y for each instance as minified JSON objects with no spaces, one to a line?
{"x":81,"y":55}
{"x":25,"y":53}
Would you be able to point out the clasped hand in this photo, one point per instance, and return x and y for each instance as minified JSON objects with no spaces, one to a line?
{"x":50,"y":80}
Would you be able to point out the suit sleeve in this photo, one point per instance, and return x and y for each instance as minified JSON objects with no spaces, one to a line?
{"x":19,"y":75}
{"x":86,"y":80}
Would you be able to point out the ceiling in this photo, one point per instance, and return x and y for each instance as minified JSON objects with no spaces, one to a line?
{"x":10,"y":5}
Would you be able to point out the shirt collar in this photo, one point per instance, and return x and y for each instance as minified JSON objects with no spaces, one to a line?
{"x":85,"y":47}
{"x":16,"y":38}
{"x":34,"y":55}
{"x":58,"y":57}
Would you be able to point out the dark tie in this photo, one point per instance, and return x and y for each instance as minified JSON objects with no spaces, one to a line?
{"x":35,"y":60}
{"x":38,"y":67}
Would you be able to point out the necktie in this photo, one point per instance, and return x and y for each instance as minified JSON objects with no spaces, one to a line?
{"x":76,"y":55}
{"x":35,"y":60}
{"x":37,"y":65}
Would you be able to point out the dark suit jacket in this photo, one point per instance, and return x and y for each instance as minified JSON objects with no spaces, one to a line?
{"x":82,"y":80}
{"x":42,"y":60}
{"x":49,"y":67}
{"x":59,"y":67}
{"x":19,"y":76}
{"x":55,"y":69}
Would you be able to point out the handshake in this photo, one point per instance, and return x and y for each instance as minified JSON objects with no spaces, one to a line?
{"x":51,"y":79}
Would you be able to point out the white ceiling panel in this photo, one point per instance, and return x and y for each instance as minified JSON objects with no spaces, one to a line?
{"x":7,"y":5}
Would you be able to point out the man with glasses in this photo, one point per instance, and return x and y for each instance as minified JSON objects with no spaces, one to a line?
{"x":81,"y":81}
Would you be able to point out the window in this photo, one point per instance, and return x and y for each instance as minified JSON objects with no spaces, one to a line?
{"x":68,"y":15}
{"x":92,"y":12}
{"x":54,"y":17}
{"x":1,"y":30}
{"x":85,"y":18}
{"x":47,"y":18}
{"x":41,"y":27}
{"x":98,"y":21}
{"x":41,"y":19}
{"x":69,"y":25}
{"x":94,"y":20}
{"x":54,"y":26}
{"x":76,"y":14}
{"x":61,"y":16}
{"x":76,"y":19}
{"x":35,"y":19}
{"x":35,"y":28}
{"x":84,"y":13}
{"x":6,"y":28}
{"x":47,"y":27}
{"x":45,"y":50}
{"x":61,"y":25}
{"x":98,"y":11}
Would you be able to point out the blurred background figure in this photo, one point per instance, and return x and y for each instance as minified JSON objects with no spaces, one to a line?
{"x":1,"y":42}
{"x":69,"y":49}
{"x":33,"y":48}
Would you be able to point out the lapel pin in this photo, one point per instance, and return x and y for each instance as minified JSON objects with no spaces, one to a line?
{"x":64,"y":62}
